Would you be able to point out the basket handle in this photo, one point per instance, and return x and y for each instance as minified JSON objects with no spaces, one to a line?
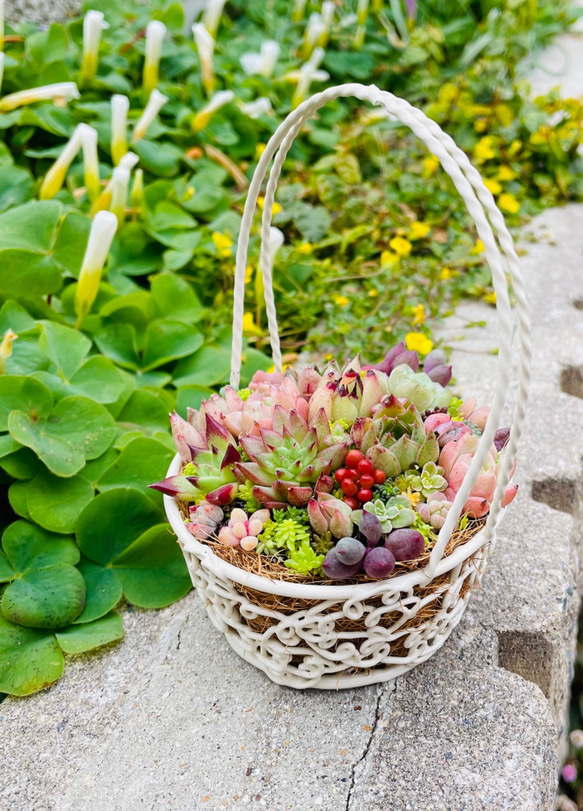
{"x":499,"y":250}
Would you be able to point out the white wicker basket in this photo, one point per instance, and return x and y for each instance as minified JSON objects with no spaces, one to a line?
{"x":337,"y":636}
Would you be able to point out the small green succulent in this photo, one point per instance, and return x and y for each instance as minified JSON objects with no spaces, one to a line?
{"x":277,"y":535}
{"x":394,"y":514}
{"x":245,"y":494}
{"x":429,"y":480}
{"x":304,"y":560}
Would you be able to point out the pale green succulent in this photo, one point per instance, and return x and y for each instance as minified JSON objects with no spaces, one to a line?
{"x":394,"y":514}
{"x":418,"y":388}
{"x":430,"y":480}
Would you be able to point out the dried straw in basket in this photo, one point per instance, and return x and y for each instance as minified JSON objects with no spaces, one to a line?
{"x":274,"y":569}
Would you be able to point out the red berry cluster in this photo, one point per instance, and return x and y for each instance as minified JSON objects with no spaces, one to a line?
{"x":357,"y":479}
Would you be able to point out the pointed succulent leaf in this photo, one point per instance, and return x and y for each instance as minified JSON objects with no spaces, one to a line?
{"x":384,"y":459}
{"x":178,"y":486}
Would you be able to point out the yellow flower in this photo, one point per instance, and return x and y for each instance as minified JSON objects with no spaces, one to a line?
{"x":401,"y":246}
{"x":414,"y":498}
{"x":389,"y":258}
{"x":504,"y":114}
{"x":506,"y":173}
{"x":478,"y":248}
{"x":222,"y":243}
{"x":328,"y":357}
{"x":248,"y":274}
{"x":430,"y":165}
{"x":275,"y":209}
{"x":480,"y":125}
{"x":418,"y":314}
{"x":484,"y":149}
{"x":509,"y":203}
{"x":259,"y":150}
{"x":490,"y":298}
{"x":445,"y":273}
{"x":448,"y":93}
{"x":249,"y":325}
{"x":419,"y":230}
{"x":341,"y":301}
{"x":492,"y":185}
{"x":373,"y":292}
{"x":514,"y":148}
{"x":417,"y":342}
{"x":305,"y":248}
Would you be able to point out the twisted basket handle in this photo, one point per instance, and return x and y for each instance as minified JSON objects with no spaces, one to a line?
{"x":500,"y":253}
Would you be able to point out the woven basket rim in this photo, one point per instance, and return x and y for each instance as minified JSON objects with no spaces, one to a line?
{"x":359,"y":591}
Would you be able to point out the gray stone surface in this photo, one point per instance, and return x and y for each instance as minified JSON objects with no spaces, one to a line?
{"x":41,"y":11}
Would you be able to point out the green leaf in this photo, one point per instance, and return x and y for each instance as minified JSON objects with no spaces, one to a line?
{"x":173,"y":297}
{"x":103,"y":591}
{"x":45,"y":598}
{"x":90,"y":635}
{"x":145,"y":411}
{"x":170,"y":216}
{"x":118,"y":342}
{"x":47,"y":46}
{"x":191,"y":396}
{"x":207,"y":367}
{"x":113,"y":521}
{"x":29,"y":659}
{"x":26,"y":274}
{"x":16,"y":186}
{"x":56,"y":503}
{"x":8,"y":445}
{"x":19,"y":393}
{"x":6,"y":570}
{"x":65,"y":346}
{"x":22,"y":464}
{"x":28,"y":547}
{"x":134,"y":307}
{"x":99,"y":380}
{"x":17,"y":497}
{"x":313,"y":222}
{"x":152,"y":570}
{"x":159,"y":158}
{"x":77,"y":429}
{"x":94,"y":470}
{"x":26,"y":358}
{"x":71,"y":242}
{"x":142,"y":462}
{"x":16,"y":318}
{"x":167,"y":340}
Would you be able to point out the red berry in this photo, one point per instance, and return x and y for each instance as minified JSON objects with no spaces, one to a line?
{"x":379,"y":476}
{"x":353,"y":474}
{"x":349,"y":488}
{"x":366,"y":481}
{"x":341,"y":474}
{"x":353,"y":503}
{"x":365,"y":466}
{"x":364,"y":496}
{"x":353,"y":458}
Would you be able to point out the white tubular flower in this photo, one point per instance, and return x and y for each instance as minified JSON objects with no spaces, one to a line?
{"x":314,"y":30}
{"x":90,"y":161}
{"x":361,"y":18}
{"x":307,"y":74}
{"x":120,"y":186}
{"x":6,"y":348}
{"x":298,"y":12}
{"x":155,"y":33}
{"x":62,"y":90}
{"x":327,"y":12}
{"x":212,"y":16}
{"x":101,"y":235}
{"x":55,"y":177}
{"x":93,"y":25}
{"x":262,"y":63}
{"x":205,"y":45}
{"x":137,"y":192}
{"x":119,"y":124}
{"x":202,"y":118}
{"x":276,"y":240}
{"x":155,"y":103}
{"x":129,"y":160}
{"x":257,"y":108}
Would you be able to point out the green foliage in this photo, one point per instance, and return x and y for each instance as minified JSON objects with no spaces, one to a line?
{"x":376,"y":245}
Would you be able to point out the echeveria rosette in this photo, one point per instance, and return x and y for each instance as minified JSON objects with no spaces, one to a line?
{"x":418,"y":388}
{"x":393,"y":514}
{"x":396,"y":439}
{"x":286,"y":462}
{"x":428,"y":481}
{"x":209,"y":474}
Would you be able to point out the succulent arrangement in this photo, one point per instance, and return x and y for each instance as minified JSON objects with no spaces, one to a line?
{"x":334,"y":474}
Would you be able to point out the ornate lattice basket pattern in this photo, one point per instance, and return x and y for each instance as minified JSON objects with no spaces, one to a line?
{"x":337,"y":636}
